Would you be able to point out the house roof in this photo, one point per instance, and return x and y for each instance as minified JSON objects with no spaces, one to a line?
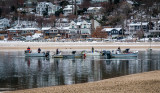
{"x":46,"y":28}
{"x":110,"y":29}
{"x":23,"y":29}
{"x":63,"y":28}
{"x":130,"y":2}
{"x":138,"y":24}
{"x":91,"y":8}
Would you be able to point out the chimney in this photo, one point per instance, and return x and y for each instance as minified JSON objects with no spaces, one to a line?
{"x":92,"y":26}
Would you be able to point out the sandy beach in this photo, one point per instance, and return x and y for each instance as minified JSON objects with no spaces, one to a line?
{"x":147,"y":82}
{"x":18,"y":45}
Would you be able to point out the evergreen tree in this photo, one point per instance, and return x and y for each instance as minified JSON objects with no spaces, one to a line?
{"x":116,"y":1}
{"x":0,"y":12}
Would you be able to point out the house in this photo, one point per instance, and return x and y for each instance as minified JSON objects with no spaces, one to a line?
{"x":30,"y":3}
{"x":63,"y":32}
{"x":49,"y":32}
{"x":69,"y":9}
{"x":94,"y":10}
{"x":135,"y":27}
{"x":62,"y":22}
{"x":23,"y":28}
{"x":18,"y":32}
{"x":26,"y":10}
{"x":46,"y":7}
{"x":82,"y":29}
{"x":4,"y":23}
{"x":114,"y":32}
{"x":156,"y":29}
{"x":53,"y":32}
{"x":78,"y":2}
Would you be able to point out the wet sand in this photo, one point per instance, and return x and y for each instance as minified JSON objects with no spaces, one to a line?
{"x":147,"y":82}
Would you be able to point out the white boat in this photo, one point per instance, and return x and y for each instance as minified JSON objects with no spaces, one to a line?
{"x":91,"y":53}
{"x":68,"y":56}
{"x":73,"y":55}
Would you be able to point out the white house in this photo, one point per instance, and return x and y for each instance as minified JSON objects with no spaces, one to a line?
{"x":23,"y":28}
{"x":46,"y":7}
{"x":94,"y":10}
{"x":62,"y":22}
{"x":156,"y":29}
{"x":134,"y":27}
{"x":78,"y":2}
{"x":82,"y":29}
{"x":4,"y":23}
{"x":69,"y":9}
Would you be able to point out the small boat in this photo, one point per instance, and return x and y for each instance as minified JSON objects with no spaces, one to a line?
{"x":68,"y":56}
{"x":95,"y":53}
{"x":118,"y":54}
{"x":73,"y":55}
{"x":42,"y":54}
{"x":124,"y":55}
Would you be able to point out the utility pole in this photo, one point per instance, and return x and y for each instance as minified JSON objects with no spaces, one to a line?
{"x":141,"y":24}
{"x":72,"y":7}
{"x":75,"y":3}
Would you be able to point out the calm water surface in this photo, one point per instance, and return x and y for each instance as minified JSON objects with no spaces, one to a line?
{"x":19,"y":72}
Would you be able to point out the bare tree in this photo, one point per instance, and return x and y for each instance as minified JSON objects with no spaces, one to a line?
{"x":140,"y":34}
{"x":98,"y":33}
{"x":86,"y":4}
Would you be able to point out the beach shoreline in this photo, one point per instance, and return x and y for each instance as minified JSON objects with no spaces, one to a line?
{"x":78,"y":45}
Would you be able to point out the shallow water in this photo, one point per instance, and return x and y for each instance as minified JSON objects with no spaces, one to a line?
{"x":20,"y":72}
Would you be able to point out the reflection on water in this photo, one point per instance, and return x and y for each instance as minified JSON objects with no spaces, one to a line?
{"x":19,"y":72}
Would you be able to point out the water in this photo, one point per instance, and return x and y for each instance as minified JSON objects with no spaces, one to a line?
{"x":19,"y":72}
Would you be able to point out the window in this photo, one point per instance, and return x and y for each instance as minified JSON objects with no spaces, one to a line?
{"x":85,"y":26}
